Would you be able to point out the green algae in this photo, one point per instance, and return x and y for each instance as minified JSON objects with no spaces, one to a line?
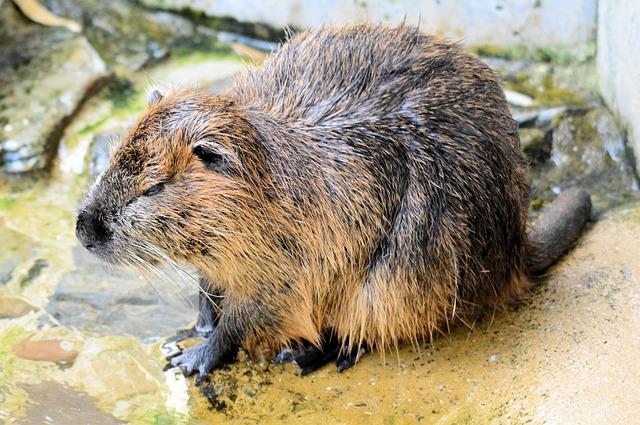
{"x":7,"y":202}
{"x":558,"y":55}
{"x":545,"y":92}
{"x":33,"y":273}
{"x":190,"y":56}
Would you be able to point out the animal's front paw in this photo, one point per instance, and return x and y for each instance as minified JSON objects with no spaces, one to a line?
{"x":200,"y":359}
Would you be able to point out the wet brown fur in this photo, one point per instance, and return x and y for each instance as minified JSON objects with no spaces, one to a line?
{"x":370,"y":181}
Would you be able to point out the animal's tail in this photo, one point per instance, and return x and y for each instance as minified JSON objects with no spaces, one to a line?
{"x":558,"y":227}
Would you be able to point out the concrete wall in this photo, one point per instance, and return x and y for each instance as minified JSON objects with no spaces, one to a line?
{"x":536,"y":23}
{"x":619,"y":63}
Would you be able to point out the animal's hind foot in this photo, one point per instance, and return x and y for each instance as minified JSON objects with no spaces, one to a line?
{"x":311,"y":358}
{"x":349,"y":357}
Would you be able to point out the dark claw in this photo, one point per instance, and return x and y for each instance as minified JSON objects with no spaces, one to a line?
{"x":170,"y":350}
{"x":201,"y":379}
{"x":190,"y":365}
{"x":311,"y":358}
{"x":285,"y":356}
{"x":348,"y":358}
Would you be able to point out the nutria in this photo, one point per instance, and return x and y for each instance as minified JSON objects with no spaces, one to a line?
{"x":364,"y":186}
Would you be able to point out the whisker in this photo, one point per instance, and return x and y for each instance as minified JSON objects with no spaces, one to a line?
{"x":164,"y":278}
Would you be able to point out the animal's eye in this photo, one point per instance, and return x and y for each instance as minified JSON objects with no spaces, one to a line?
{"x":156,"y":188}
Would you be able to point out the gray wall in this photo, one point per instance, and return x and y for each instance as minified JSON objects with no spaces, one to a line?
{"x":497,"y":22}
{"x":619,"y":63}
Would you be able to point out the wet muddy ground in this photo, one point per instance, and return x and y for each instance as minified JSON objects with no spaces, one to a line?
{"x":81,"y":344}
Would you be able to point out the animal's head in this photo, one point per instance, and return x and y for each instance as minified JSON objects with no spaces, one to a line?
{"x":177,"y":185}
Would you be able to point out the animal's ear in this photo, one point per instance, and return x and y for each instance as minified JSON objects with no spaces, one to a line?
{"x":154,"y":97}
{"x":212,"y":154}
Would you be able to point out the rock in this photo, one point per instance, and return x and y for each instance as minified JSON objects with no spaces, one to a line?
{"x":45,"y":75}
{"x":518,"y":99}
{"x":588,"y":150}
{"x":52,"y":402}
{"x":213,"y":76}
{"x":535,"y":144}
{"x":46,"y":350}
{"x":11,"y":307}
{"x":38,"y":13}
{"x":128,"y":36}
{"x":132,"y":373}
{"x":536,"y":117}
{"x":15,"y":251}
{"x":218,"y":16}
{"x":98,"y":300}
{"x":7,"y":266}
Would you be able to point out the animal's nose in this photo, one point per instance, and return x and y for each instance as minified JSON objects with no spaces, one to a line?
{"x":91,"y":230}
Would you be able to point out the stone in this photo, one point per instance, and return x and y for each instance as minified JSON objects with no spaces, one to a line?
{"x":12,"y":307}
{"x":15,"y":250}
{"x":45,"y":75}
{"x":588,"y":150}
{"x":128,"y":36}
{"x":46,"y":350}
{"x":518,"y":99}
{"x":95,"y":299}
{"x":52,"y":402}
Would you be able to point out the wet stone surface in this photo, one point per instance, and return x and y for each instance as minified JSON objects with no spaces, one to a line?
{"x":96,"y":299}
{"x":48,"y":396}
{"x":11,"y":307}
{"x":16,"y":248}
{"x":126,"y":35}
{"x":585,"y":148}
{"x":45,"y":74}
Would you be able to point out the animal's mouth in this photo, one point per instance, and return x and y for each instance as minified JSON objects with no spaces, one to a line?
{"x":110,"y":252}
{"x":101,"y":249}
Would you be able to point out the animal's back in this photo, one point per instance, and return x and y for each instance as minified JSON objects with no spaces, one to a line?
{"x":422,"y":128}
